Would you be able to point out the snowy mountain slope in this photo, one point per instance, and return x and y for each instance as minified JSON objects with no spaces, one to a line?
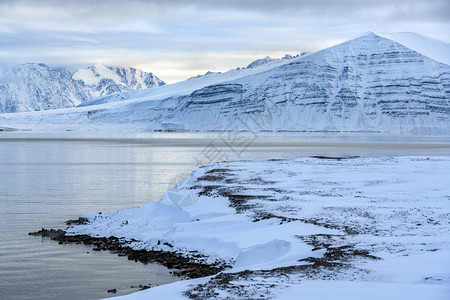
{"x":269,"y":60}
{"x":32,"y":87}
{"x":266,"y":61}
{"x":366,"y":84}
{"x":435,"y":49}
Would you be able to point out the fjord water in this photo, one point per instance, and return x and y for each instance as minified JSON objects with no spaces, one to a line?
{"x":46,"y":179}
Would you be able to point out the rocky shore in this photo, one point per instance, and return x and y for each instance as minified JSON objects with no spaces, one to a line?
{"x":183,"y":266}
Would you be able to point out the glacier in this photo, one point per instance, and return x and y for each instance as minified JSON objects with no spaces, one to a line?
{"x":368,"y":84}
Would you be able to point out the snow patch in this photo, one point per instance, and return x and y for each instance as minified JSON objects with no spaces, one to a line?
{"x":262,"y":253}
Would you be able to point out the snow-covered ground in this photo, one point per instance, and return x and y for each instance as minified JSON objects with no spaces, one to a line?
{"x":370,"y":227}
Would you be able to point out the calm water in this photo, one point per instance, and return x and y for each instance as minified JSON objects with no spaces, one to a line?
{"x":48,"y":179}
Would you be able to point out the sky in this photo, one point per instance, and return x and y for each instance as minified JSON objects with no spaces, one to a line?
{"x":178,"y":39}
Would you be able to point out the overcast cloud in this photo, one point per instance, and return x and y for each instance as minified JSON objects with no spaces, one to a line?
{"x":178,"y":39}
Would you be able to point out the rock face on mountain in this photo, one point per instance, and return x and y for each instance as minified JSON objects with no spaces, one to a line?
{"x":31,"y":87}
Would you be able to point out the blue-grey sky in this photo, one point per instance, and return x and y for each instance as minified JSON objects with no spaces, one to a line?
{"x":177,"y":39}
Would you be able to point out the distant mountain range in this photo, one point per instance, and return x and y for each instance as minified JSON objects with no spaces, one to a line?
{"x":256,"y":63}
{"x":368,"y":84}
{"x":32,"y":86}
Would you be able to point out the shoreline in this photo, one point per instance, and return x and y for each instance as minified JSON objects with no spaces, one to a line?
{"x":184,"y":267}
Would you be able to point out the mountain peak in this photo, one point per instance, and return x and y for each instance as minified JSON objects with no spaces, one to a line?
{"x":107,"y":79}
{"x":370,"y":34}
{"x":366,"y":37}
{"x":268,"y":60}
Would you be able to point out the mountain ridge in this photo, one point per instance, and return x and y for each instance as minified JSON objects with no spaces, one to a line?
{"x":369,"y":83}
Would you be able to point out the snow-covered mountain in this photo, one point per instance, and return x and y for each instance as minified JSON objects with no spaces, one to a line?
{"x":28,"y":87}
{"x":103,"y":80}
{"x":269,"y":60}
{"x":32,"y":87}
{"x":266,"y":61}
{"x":370,"y":83}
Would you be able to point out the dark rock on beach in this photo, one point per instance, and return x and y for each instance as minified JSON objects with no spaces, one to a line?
{"x":78,"y":221}
{"x":185,"y":266}
{"x":51,"y":233}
